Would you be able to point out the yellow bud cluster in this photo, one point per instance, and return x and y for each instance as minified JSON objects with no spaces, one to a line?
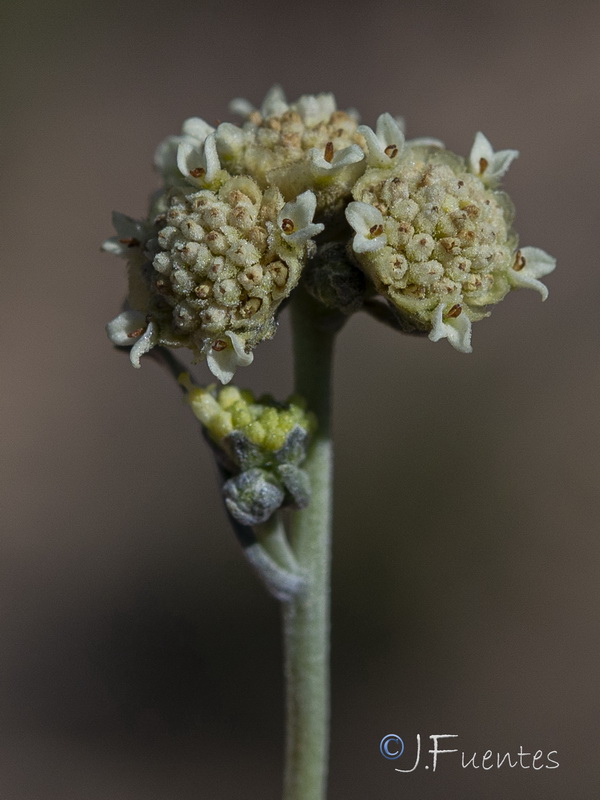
{"x":262,"y":422}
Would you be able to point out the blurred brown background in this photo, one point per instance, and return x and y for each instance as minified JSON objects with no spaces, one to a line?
{"x":139,"y":657}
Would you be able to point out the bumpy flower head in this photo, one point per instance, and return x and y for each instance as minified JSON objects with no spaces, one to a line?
{"x":214,"y":275}
{"x":232,"y":231}
{"x":261,"y":445}
{"x":434,"y":235}
{"x":309,"y":144}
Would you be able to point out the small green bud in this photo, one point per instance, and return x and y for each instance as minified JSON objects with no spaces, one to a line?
{"x":261,"y":444}
{"x":252,"y":496}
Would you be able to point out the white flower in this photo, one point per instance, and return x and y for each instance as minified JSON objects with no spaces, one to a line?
{"x":199,"y":163}
{"x":295,"y":219}
{"x":327,"y":163}
{"x":129,"y":327}
{"x":530,"y":264}
{"x":487,"y":164}
{"x":230,"y":141}
{"x":224,"y":357}
{"x":424,"y":141}
{"x":420,"y":141}
{"x":194,"y":132}
{"x":456,"y":327}
{"x":385,"y":143}
{"x":131,"y":234}
{"x":367,"y":222}
{"x":274,"y":104}
{"x":315,"y":109}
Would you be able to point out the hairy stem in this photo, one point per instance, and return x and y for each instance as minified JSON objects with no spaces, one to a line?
{"x":271,"y":535}
{"x":306,"y":616}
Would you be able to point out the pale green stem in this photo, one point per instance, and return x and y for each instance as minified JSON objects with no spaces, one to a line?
{"x":271,"y":535}
{"x":306,"y":616}
{"x":272,"y":558}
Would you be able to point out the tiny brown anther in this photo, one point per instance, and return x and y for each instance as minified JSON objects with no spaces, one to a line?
{"x":202,"y":291}
{"x":131,"y":241}
{"x":461,"y":184}
{"x":219,"y":345}
{"x":391,"y":151}
{"x":520,"y":261}
{"x":455,"y":311}
{"x":328,"y":152}
{"x":483,"y":165}
{"x":197,"y":172}
{"x":279,"y":272}
{"x":287,"y":225}
{"x":376,"y":230}
{"x":449,"y":243}
{"x":134,"y":334}
{"x":251,"y":307}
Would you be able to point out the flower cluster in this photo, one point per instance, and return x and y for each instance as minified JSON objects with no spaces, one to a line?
{"x":302,"y":191}
{"x":260,"y":445}
{"x":434,"y":234}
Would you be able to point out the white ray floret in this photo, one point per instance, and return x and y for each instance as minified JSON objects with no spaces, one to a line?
{"x":227,"y":357}
{"x":367,"y":222}
{"x":131,"y":233}
{"x":132,"y":327}
{"x":295,"y":220}
{"x":199,"y":164}
{"x":490,"y":166}
{"x":274,"y":104}
{"x":322,"y":166}
{"x":531,"y":264}
{"x":385,"y":143}
{"x":315,"y":108}
{"x":457,"y":329}
{"x":230,"y":141}
{"x":194,"y":132}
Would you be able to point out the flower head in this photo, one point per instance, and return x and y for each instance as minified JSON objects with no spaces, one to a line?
{"x":234,"y":229}
{"x":435,"y":238}
{"x":219,"y":265}
{"x":305,"y":145}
